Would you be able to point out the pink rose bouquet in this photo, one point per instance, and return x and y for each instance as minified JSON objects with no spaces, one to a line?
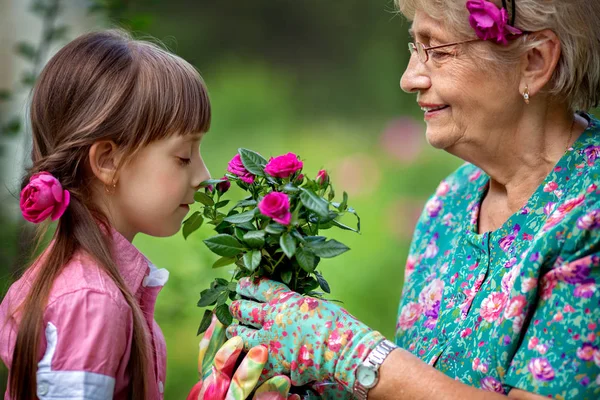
{"x":274,"y":231}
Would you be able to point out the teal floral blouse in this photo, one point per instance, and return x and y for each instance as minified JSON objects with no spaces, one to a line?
{"x":517,"y":307}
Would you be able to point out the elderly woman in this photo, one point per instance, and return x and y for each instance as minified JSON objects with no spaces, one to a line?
{"x":501,"y":292}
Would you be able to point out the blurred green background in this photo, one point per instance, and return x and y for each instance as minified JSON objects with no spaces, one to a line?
{"x":317,"y":78}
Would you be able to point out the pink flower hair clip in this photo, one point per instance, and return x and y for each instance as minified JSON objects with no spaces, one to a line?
{"x":491,"y":23}
{"x":43,"y":197}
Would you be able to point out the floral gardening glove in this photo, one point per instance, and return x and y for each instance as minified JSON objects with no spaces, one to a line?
{"x":312,"y":340}
{"x":219,"y":384}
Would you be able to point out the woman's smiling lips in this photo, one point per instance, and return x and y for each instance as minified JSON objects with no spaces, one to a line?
{"x":432,"y":110}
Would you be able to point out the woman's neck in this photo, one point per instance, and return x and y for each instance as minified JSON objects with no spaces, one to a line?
{"x":518,"y":160}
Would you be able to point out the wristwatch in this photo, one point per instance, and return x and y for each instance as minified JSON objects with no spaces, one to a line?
{"x":367,"y":373}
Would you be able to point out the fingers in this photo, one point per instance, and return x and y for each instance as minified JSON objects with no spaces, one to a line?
{"x":263,"y":290}
{"x":193,"y":395}
{"x":278,"y":385}
{"x":212,"y":340}
{"x":249,"y":336}
{"x":248,"y":312}
{"x":248,"y":373}
{"x":215,"y":386}
{"x":228,"y":354}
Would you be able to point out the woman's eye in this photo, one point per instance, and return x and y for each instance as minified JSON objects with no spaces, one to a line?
{"x":184,"y":161}
{"x":438,"y":55}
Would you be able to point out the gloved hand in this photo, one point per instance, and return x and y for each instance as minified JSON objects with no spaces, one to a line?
{"x":312,"y":340}
{"x":216,"y":366}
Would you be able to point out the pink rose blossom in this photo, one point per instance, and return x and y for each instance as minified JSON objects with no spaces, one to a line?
{"x":322,"y":178}
{"x":223,"y":187}
{"x":492,"y":306}
{"x":237,"y":168}
{"x":490,"y":22}
{"x":277,"y":206}
{"x":283,"y":166}
{"x":43,"y":197}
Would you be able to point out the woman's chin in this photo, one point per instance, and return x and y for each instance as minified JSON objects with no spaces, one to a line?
{"x":439,"y":139}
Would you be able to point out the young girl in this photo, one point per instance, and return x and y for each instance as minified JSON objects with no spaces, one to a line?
{"x":116,"y":126}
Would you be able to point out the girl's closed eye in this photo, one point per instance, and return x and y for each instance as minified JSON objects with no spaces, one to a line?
{"x":184,"y":161}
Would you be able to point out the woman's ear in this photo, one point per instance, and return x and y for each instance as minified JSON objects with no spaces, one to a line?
{"x":104,"y":158}
{"x":540,"y":62}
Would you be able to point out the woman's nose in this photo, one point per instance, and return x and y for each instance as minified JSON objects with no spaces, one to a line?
{"x":415,"y":77}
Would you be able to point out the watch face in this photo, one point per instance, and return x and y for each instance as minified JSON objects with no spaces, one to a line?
{"x":366,"y":376}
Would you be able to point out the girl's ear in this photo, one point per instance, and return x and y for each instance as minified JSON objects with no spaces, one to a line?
{"x":104,"y":158}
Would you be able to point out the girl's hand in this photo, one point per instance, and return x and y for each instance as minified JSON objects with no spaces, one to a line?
{"x":312,"y":340}
{"x":216,"y":363}
{"x":223,"y":383}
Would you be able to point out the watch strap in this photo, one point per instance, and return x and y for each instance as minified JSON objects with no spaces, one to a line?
{"x":374,"y":360}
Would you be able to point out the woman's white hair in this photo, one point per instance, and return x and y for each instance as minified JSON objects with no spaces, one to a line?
{"x":576,"y":79}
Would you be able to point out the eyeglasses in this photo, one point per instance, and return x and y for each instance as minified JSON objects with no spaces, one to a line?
{"x":423,"y":52}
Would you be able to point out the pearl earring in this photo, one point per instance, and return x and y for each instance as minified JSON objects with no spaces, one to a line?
{"x":526,"y":94}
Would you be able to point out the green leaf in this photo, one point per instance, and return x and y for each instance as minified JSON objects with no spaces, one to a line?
{"x":209,"y":182}
{"x":247,"y":226}
{"x":242,"y":217}
{"x":222,"y":203}
{"x":306,"y":259}
{"x":255,"y":239}
{"x":253,"y":162}
{"x":328,"y":249}
{"x":290,"y":188}
{"x":223,"y":262}
{"x":288,"y":244}
{"x":252,"y":260}
{"x":205,"y":323}
{"x":208,"y":297}
{"x":192,"y":224}
{"x":223,"y":314}
{"x":323,"y":283}
{"x":314,"y":202}
{"x":286,"y":276}
{"x":224,"y":245}
{"x":314,"y":239}
{"x":245,"y":203}
{"x":221,"y":282}
{"x":344,"y":227}
{"x":204,"y":199}
{"x":222,"y":299}
{"x":344,"y":204}
{"x":275,"y":229}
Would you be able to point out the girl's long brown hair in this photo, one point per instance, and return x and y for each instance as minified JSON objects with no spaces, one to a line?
{"x":101,"y":86}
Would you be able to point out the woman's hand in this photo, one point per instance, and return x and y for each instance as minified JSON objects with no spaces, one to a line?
{"x":312,"y":340}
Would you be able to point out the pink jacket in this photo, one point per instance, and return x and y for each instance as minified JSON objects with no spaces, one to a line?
{"x":89,"y":326}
